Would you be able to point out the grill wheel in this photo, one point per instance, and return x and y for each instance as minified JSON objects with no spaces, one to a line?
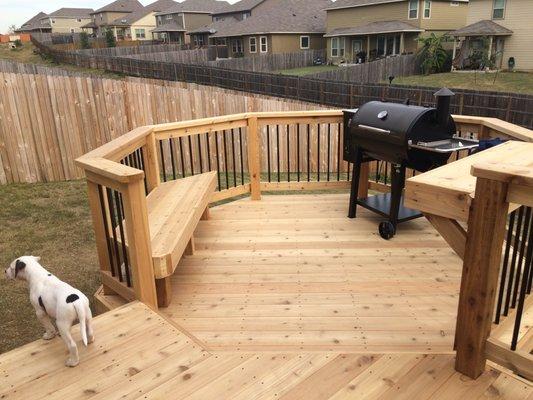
{"x":387,"y":230}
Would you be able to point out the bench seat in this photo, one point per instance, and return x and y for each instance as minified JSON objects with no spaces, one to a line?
{"x":174,"y":210}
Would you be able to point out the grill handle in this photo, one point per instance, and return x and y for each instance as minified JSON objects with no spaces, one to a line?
{"x":374,"y":129}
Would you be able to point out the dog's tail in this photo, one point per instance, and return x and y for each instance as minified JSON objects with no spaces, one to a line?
{"x":80,"y":310}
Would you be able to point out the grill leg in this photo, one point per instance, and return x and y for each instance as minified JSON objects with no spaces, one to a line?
{"x":397,"y":185}
{"x":356,"y":174}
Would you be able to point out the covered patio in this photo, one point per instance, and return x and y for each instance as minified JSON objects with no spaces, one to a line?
{"x":170,"y":32}
{"x":372,"y":41}
{"x":478,"y":44}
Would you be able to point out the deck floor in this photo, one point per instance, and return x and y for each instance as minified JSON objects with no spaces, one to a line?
{"x":292,"y":272}
{"x":284,"y":299}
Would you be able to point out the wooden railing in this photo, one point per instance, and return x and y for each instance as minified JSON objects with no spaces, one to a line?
{"x":252,"y":153}
{"x":489,"y":286}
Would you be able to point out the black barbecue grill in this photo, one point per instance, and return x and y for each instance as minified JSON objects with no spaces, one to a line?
{"x":406,"y":136}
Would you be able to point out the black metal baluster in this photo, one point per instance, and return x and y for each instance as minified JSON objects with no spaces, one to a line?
{"x":200,"y":154}
{"x":113,"y":231}
{"x":141,"y":153}
{"x":377,"y":171}
{"x":278,"y":152}
{"x":288,"y":156}
{"x":226,"y":159}
{"x":298,"y":152}
{"x":242,"y":156}
{"x":218,"y":160}
{"x":318,"y":154}
{"x":523,"y":240}
{"x":513,"y":260}
{"x":308,"y":153}
{"x":172,"y":159}
{"x":348,"y":172}
{"x":120,"y":212}
{"x":208,"y":151}
{"x":191,"y":155}
{"x":163,"y":160}
{"x":386,"y":172}
{"x":268,"y":152}
{"x":329,"y":149}
{"x":106,"y":228}
{"x":505,"y":264}
{"x":182,"y":158}
{"x":233,"y":156}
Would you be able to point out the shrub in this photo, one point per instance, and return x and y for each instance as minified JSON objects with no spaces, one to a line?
{"x":84,"y":40}
{"x":110,"y":38}
{"x":432,"y":56}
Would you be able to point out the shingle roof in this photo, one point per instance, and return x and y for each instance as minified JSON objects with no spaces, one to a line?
{"x":360,"y":3}
{"x":200,"y":6}
{"x":281,"y":16}
{"x":243,"y":5}
{"x":33,"y":21}
{"x":214,"y":27}
{"x":120,"y":6}
{"x":171,"y":26}
{"x":373,"y":28}
{"x":66,"y":12}
{"x":131,"y":18}
{"x":483,"y":28}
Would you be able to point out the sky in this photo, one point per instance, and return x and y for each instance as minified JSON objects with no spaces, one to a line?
{"x":19,"y":11}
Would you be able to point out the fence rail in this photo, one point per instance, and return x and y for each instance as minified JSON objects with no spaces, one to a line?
{"x":510,"y":107}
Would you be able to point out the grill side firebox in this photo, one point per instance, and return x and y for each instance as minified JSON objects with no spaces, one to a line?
{"x":406,"y":136}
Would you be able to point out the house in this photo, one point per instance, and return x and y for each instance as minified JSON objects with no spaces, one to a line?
{"x":104,"y":16}
{"x":34,"y":24}
{"x":64,"y":20}
{"x":504,"y":27}
{"x":139,"y":24}
{"x":368,"y":29}
{"x":173,"y":23}
{"x":270,"y":27}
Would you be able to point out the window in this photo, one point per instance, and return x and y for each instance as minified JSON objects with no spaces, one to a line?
{"x":198,"y":40}
{"x":159,"y":20}
{"x":427,"y":9}
{"x":140,"y":33}
{"x":53,"y":21}
{"x":246,"y":15}
{"x":337,"y":47}
{"x":263,"y":41}
{"x":305,"y":42}
{"x":382,"y":44}
{"x":168,"y":16}
{"x":236,"y":46}
{"x":101,"y":17}
{"x":220,"y":41}
{"x":413,"y":9}
{"x":253,"y":45}
{"x":498,"y":9}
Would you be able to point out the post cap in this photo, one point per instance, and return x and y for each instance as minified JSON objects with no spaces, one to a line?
{"x":444,"y":92}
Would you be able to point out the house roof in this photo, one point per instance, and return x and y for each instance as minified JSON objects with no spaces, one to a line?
{"x":374,"y":28}
{"x":483,"y":28}
{"x":171,"y":26}
{"x":120,"y":6}
{"x":133,"y":17}
{"x":198,"y":6}
{"x":214,"y":27}
{"x":66,"y":12}
{"x":361,"y":3}
{"x":33,"y":22}
{"x":240,"y":6}
{"x":281,"y":16}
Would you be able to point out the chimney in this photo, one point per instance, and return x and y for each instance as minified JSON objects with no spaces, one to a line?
{"x":444,"y":98}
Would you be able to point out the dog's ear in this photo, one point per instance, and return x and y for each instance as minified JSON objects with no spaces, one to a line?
{"x":20,"y":265}
{"x":36,"y":258}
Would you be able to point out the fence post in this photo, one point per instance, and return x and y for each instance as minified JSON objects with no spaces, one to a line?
{"x":254,"y":161}
{"x":151,"y":163}
{"x":139,"y":243}
{"x":486,"y":231}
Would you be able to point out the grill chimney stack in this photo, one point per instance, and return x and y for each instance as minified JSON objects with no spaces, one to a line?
{"x":444,"y":98}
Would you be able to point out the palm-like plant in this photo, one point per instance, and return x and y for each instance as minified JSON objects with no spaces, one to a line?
{"x":432,"y":55}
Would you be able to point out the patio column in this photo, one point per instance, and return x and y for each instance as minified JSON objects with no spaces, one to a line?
{"x":454,"y":51}
{"x":491,"y":39}
{"x":402,"y":43}
{"x":368,"y":48}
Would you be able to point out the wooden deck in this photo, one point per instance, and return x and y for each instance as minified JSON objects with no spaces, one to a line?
{"x":285,"y":298}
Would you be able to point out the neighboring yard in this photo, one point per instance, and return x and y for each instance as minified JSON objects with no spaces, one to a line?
{"x":307,"y":70}
{"x":516,"y":82}
{"x":50,"y":220}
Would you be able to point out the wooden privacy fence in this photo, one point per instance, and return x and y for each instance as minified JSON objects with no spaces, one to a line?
{"x":193,"y":56}
{"x":511,"y":107}
{"x":374,"y":71}
{"x":47,"y":121}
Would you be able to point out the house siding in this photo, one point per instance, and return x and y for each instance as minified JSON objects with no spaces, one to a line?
{"x":444,"y":16}
{"x":194,"y":21}
{"x":147,"y":23}
{"x":517,"y":18}
{"x":64,"y":25}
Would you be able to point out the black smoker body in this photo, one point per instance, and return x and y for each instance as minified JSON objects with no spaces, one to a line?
{"x":406,"y":136}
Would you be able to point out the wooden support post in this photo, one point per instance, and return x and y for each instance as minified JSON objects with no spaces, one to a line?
{"x":189,"y":250}
{"x":100,"y":234}
{"x":151,"y":163}
{"x":254,"y":161}
{"x":206,"y":215}
{"x":451,"y":231}
{"x":164,"y":291}
{"x":139,"y":244}
{"x":362,"y":192}
{"x":486,"y":231}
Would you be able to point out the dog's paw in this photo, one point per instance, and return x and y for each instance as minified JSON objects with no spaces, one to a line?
{"x":49,"y":335}
{"x":72,"y":362}
{"x":90,"y":339}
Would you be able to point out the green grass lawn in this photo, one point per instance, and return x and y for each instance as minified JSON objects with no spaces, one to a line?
{"x":50,"y":220}
{"x":516,"y":82}
{"x":307,"y":70}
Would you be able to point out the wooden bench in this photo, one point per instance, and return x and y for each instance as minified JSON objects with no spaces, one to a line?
{"x":174,"y":210}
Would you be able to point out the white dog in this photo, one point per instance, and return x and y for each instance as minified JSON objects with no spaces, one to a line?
{"x":54,"y":299}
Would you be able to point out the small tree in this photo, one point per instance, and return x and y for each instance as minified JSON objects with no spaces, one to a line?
{"x":11,"y":29}
{"x":84,"y":40}
{"x":432,"y":55}
{"x":110,"y":38}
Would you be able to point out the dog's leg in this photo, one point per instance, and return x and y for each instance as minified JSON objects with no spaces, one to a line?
{"x":47,"y":323}
{"x":89,"y":323}
{"x":64,"y":330}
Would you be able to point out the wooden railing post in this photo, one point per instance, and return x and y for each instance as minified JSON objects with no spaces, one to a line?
{"x":486,"y":231}
{"x":139,"y":243}
{"x":151,"y":163}
{"x":254,"y":160}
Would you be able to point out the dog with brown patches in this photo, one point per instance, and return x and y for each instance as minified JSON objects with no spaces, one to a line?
{"x":56,"y":300}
